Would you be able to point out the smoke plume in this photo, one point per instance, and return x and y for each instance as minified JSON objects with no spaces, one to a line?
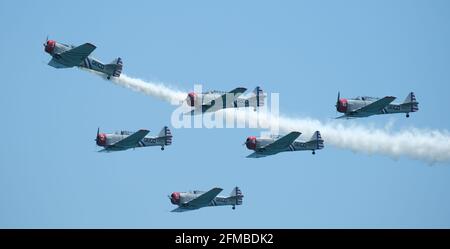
{"x":421,"y":144}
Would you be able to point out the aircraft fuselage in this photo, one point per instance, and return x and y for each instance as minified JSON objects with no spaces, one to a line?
{"x":182,"y":199}
{"x":353,"y":105}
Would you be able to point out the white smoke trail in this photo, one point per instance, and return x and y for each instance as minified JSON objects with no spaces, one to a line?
{"x":158,"y":90}
{"x":420,"y":144}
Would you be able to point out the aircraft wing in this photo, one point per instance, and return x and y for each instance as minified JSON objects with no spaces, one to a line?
{"x":375,"y":107}
{"x":56,"y":64}
{"x":132,"y":140}
{"x":182,"y":209}
{"x":213,"y":106}
{"x":232,"y":95}
{"x":205,"y":108}
{"x":360,"y":115}
{"x":237,"y":91}
{"x":200,"y":110}
{"x":75,"y":56}
{"x":257,"y":155}
{"x":282,"y":142}
{"x":226,"y":98}
{"x":204,"y":199}
{"x":277,"y":146}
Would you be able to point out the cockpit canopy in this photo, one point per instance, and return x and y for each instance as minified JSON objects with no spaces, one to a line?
{"x":124,"y":132}
{"x":365,"y":98}
{"x":214,"y":91}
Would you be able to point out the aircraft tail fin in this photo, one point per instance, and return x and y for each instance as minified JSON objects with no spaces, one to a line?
{"x":116,"y":66}
{"x":166,"y":134}
{"x":256,"y":99}
{"x":412,"y":102}
{"x":259,"y":95}
{"x":236,"y":194}
{"x":317,"y":140}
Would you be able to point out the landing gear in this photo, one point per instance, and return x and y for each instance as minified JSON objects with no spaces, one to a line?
{"x":234,"y":207}
{"x":162,"y":148}
{"x":407,"y":115}
{"x":108,"y":77}
{"x":314,"y":152}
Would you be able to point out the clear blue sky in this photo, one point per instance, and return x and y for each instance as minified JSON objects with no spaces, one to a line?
{"x":52,"y":177}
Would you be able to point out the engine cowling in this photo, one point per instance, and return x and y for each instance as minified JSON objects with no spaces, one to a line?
{"x":251,"y":143}
{"x":175,"y":198}
{"x":191,"y":99}
{"x":50,"y":46}
{"x":342,"y":105}
{"x":101,"y":139}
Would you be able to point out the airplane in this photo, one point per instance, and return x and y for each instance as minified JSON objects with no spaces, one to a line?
{"x":125,"y":140}
{"x":212,"y":101}
{"x":66,"y":56}
{"x":276,"y":144}
{"x":192,"y":200}
{"x":367,"y":106}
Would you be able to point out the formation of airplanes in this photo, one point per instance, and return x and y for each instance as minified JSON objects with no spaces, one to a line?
{"x":67,"y":56}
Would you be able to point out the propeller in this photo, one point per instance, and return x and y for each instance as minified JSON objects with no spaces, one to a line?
{"x":46,"y":40}
{"x":337,"y":102}
{"x":95,"y":145}
{"x":338,"y":97}
{"x":98,"y":132}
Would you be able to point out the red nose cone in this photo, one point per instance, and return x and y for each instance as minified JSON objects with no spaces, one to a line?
{"x":342,"y":105}
{"x":50,"y":46}
{"x":251,"y":143}
{"x":175,"y":198}
{"x":191,"y":98}
{"x":101,"y":139}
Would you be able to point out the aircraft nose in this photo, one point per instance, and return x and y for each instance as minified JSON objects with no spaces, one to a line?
{"x":191,"y":99}
{"x":175,"y":198}
{"x":341,"y":105}
{"x":251,"y":143}
{"x":101,"y":139}
{"x":49,"y":46}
